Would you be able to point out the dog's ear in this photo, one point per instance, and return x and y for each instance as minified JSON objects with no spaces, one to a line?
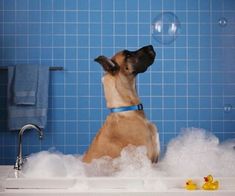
{"x":108,"y":64}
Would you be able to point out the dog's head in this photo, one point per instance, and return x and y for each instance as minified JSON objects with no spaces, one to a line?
{"x":129,"y":63}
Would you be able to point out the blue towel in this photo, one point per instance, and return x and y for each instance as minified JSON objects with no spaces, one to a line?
{"x":20,"y":115}
{"x":25,"y":84}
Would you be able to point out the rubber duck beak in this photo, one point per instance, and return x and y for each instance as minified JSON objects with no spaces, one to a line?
{"x":206,"y":179}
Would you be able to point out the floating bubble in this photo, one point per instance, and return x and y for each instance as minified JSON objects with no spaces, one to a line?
{"x":228,"y":108}
{"x":166,"y":27}
{"x":223,"y":22}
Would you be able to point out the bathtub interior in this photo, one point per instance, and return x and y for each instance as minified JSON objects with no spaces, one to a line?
{"x":192,"y":155}
{"x":157,"y":184}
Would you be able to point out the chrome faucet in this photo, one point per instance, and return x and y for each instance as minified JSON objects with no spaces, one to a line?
{"x":19,"y":159}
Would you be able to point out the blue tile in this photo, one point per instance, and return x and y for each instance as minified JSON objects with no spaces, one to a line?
{"x":59,"y":4}
{"x":193,"y":102}
{"x":156,"y":90}
{"x":9,"y":4}
{"x":205,"y":18}
{"x":95,"y":90}
{"x":34,"y":28}
{"x":132,"y":29}
{"x":107,"y":17}
{"x":21,"y":5}
{"x":193,"y":41}
{"x":157,"y":114}
{"x":204,"y":4}
{"x":83,"y":139}
{"x":34,"y":5}
{"x":169,"y":102}
{"x":169,"y":65}
{"x":192,"y":5}
{"x":34,"y":40}
{"x":205,"y":102}
{"x":169,"y":127}
{"x":46,"y":53}
{"x":107,"y":29}
{"x":70,"y":53}
{"x":168,"y":90}
{"x":34,"y":53}
{"x":21,"y":16}
{"x":71,"y":16}
{"x":181,"y":114}
{"x":9,"y":41}
{"x":107,"y":5}
{"x":181,"y":78}
{"x":46,"y":29}
{"x":69,"y":90}
{"x":193,"y":114}
{"x":144,"y":90}
{"x":83,"y":16}
{"x":58,"y":53}
{"x":180,"y":5}
{"x":143,"y":16}
{"x":95,"y":5}
{"x":193,"y":29}
{"x":181,"y":102}
{"x":156,"y":4}
{"x":46,"y":16}
{"x":169,"y":78}
{"x":108,"y":42}
{"x":131,"y":5}
{"x":21,"y":54}
{"x":205,"y":29}
{"x":58,"y":139}
{"x":168,"y":5}
{"x":46,"y":4}
{"x":70,"y":29}
{"x":71,"y":114}
{"x":70,"y":4}
{"x":9,"y":16}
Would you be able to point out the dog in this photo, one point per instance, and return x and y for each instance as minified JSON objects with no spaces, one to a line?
{"x":127,"y":124}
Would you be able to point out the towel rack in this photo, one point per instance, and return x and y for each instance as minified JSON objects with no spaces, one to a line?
{"x":53,"y":68}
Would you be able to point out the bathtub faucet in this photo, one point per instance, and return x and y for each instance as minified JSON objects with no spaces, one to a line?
{"x":19,"y":159}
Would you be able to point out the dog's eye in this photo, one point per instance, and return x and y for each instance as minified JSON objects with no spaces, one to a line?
{"x":127,"y":68}
{"x":127,"y":54}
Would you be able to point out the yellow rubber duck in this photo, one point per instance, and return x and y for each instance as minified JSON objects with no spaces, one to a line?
{"x":190,"y":185}
{"x":209,"y":184}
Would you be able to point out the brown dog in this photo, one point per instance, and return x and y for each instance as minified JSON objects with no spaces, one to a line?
{"x":127,"y":124}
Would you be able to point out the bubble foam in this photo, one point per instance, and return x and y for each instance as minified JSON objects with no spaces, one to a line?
{"x":194,"y":152}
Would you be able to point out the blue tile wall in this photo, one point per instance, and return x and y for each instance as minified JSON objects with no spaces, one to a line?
{"x":191,"y":83}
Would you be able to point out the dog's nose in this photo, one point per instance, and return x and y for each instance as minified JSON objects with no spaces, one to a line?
{"x":150,"y":47}
{"x":150,"y":50}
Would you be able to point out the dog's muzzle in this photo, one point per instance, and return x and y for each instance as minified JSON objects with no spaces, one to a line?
{"x":145,"y":57}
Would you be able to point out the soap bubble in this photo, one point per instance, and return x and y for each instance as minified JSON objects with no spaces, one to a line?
{"x":228,"y":108}
{"x":166,"y":27}
{"x":223,"y":22}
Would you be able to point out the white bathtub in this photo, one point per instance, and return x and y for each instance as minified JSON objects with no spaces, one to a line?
{"x":18,"y":185}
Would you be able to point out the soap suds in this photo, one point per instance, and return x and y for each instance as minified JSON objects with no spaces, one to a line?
{"x":194,"y":152}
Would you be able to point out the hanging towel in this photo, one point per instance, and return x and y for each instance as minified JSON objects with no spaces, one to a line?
{"x":25,"y":84}
{"x":20,"y":115}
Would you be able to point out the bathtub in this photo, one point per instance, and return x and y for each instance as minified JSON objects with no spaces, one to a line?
{"x":13,"y":183}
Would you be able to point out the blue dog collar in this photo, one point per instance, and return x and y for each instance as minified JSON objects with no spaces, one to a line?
{"x":127,"y":108}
